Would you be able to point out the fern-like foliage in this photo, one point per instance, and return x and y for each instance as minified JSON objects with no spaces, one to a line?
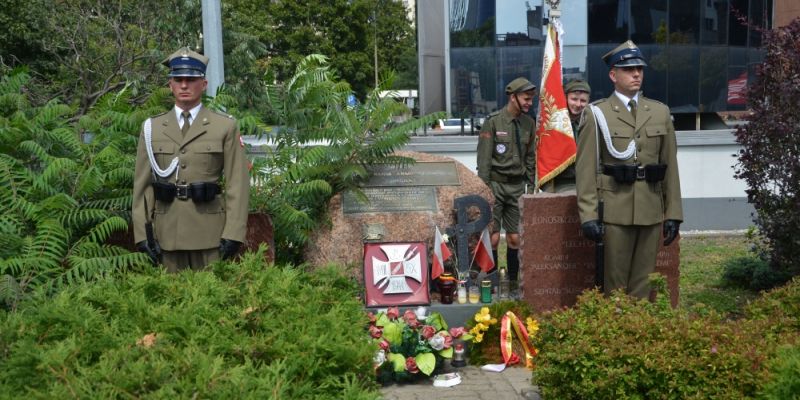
{"x":65,"y":187}
{"x":320,"y":147}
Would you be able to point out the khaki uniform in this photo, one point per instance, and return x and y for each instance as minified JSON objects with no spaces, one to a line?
{"x":506,"y":162}
{"x":212,"y":151}
{"x":633,"y":213}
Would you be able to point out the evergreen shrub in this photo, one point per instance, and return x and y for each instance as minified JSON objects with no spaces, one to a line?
{"x":619,"y":348}
{"x":241,"y":331}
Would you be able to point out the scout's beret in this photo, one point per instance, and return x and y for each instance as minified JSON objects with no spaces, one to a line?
{"x":577,"y":85}
{"x":186,"y":62}
{"x":625,"y":55}
{"x":519,"y":85}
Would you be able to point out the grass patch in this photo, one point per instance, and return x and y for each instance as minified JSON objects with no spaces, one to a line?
{"x":702,"y":266}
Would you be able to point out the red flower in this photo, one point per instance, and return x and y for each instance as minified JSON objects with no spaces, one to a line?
{"x":411,"y":365}
{"x":392,"y":313}
{"x":384,"y":345}
{"x":457,"y":332}
{"x":428,"y":332}
{"x":372,"y":318}
{"x":448,"y":341}
{"x":411,"y":319}
{"x":375,"y":331}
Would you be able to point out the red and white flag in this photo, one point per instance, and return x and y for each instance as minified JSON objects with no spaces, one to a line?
{"x":440,"y":253}
{"x":484,"y":256}
{"x":556,"y":147}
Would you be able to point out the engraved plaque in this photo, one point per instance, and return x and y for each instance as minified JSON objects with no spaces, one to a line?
{"x":418,"y":174}
{"x":391,"y":199}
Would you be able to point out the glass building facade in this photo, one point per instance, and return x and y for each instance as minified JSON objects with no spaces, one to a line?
{"x":700,"y":54}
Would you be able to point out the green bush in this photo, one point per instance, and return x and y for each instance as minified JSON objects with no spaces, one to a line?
{"x":753,"y":273}
{"x":241,"y":331}
{"x":618,"y":348}
{"x":785,"y":381}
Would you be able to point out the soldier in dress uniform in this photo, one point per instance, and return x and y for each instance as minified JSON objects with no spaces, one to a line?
{"x":506,"y":162}
{"x":191,"y":180}
{"x":577,"y":92}
{"x":627,"y":164}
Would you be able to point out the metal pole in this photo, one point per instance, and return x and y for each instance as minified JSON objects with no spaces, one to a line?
{"x":212,"y":45}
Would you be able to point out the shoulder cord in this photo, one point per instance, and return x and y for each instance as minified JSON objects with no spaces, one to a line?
{"x":601,"y":123}
{"x":173,"y":165}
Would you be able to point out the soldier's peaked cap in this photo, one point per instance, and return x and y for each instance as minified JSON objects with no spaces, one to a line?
{"x":186,"y":62}
{"x":519,"y":85}
{"x":625,"y":55}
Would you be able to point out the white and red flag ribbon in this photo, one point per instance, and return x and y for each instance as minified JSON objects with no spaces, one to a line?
{"x":484,"y":256}
{"x":555,"y":149}
{"x":440,"y":253}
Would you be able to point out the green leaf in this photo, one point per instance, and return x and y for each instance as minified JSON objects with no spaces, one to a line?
{"x":393,"y":332}
{"x":426,"y":362}
{"x":435,"y":319}
{"x":447,"y":353}
{"x":398,"y":361}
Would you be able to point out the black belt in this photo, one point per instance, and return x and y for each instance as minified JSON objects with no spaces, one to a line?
{"x":199,"y":192}
{"x":630,"y":173}
{"x":494,"y":176}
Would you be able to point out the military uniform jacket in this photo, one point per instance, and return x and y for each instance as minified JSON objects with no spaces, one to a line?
{"x":640,"y":203}
{"x":497,"y":146}
{"x":211,"y":150}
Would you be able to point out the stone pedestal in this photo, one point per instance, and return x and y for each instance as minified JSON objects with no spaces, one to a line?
{"x":557,"y":263}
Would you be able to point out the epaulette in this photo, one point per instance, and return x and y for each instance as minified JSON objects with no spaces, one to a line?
{"x":649,"y":99}
{"x":598,"y":101}
{"x":492,"y":115}
{"x":221,"y":113}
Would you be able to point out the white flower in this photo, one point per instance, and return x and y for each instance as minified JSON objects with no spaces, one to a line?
{"x":380,"y":357}
{"x":436,"y":342}
{"x":445,"y":238}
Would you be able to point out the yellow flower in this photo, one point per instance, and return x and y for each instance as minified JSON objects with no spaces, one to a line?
{"x":478,"y":338}
{"x":532,"y":325}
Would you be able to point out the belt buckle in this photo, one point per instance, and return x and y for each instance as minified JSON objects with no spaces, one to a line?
{"x":640,"y":175}
{"x":182,"y":192}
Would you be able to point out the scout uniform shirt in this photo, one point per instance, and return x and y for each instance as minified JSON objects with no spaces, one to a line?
{"x":506,"y":151}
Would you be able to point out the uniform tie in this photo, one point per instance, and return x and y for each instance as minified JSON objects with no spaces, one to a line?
{"x":185,"y":127}
{"x":632,"y":104}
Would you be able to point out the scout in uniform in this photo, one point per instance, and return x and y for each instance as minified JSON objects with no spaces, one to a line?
{"x":577,"y":92}
{"x":506,"y":162}
{"x":627,"y":165}
{"x":191,"y":181}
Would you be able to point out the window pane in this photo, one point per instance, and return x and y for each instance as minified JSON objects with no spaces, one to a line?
{"x":648,"y":21}
{"x":655,"y":74}
{"x":714,"y":25}
{"x":683,"y":82}
{"x":608,"y":21}
{"x":472,"y":23}
{"x":684,"y":21}
{"x":473,"y":90}
{"x":519,"y":23}
{"x":713,"y":78}
{"x":760,"y":12}
{"x":737,"y":35}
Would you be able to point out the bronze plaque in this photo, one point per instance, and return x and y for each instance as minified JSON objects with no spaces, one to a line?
{"x":391,"y":199}
{"x":417,"y":174}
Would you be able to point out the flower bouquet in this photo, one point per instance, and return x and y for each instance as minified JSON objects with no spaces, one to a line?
{"x":503,"y":333}
{"x":411,"y":348}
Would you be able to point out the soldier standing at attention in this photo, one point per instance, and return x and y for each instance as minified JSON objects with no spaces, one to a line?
{"x":506,"y":162}
{"x":184,"y":158}
{"x":627,"y":164}
{"x":577,"y":92}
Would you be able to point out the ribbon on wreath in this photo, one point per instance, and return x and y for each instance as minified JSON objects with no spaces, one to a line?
{"x":508,"y":326}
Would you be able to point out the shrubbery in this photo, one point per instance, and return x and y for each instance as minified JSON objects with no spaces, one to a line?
{"x":242,"y":331}
{"x":618,"y":348}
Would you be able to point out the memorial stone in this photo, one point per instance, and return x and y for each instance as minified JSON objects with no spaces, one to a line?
{"x":557,"y":263}
{"x":399,"y":209}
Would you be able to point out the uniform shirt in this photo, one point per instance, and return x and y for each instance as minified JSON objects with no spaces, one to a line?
{"x":192,"y":114}
{"x":640,"y":203}
{"x":498,"y":146}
